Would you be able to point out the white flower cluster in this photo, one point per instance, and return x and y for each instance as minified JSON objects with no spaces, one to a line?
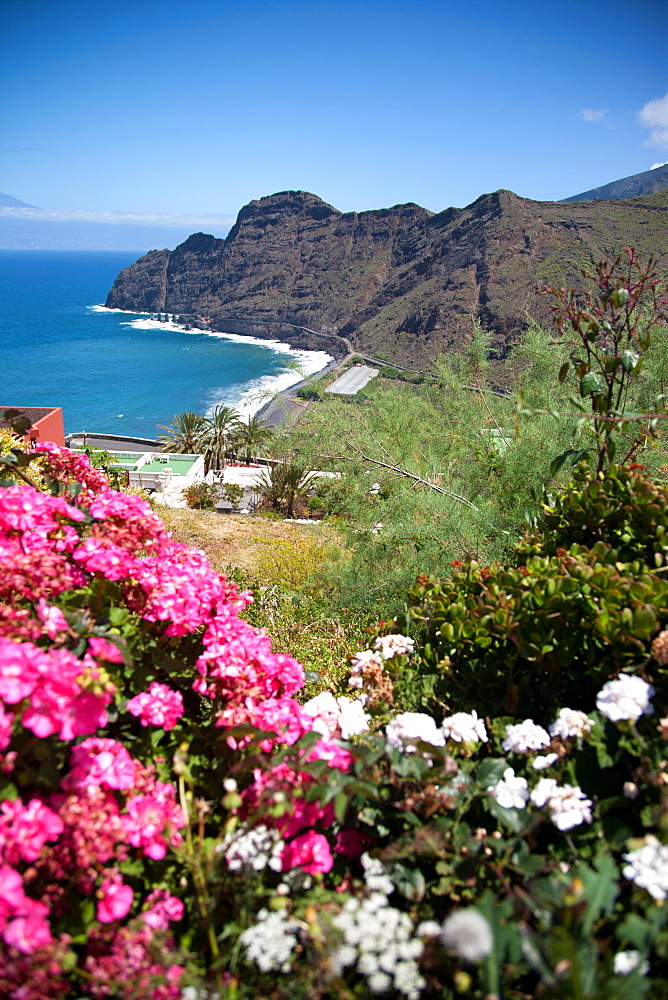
{"x":628,"y":697}
{"x":543,"y":761}
{"x":394,"y":645}
{"x":511,"y":792}
{"x":525,"y":737}
{"x":378,"y":943}
{"x":334,"y":717}
{"x":468,"y":934}
{"x":567,"y":804}
{"x":648,"y":867}
{"x":270,"y":942}
{"x":464,"y":727}
{"x":407,"y":729}
{"x":626,"y":962}
{"x":571,"y":722}
{"x":256,"y":849}
{"x":360,"y":663}
{"x":375,"y":875}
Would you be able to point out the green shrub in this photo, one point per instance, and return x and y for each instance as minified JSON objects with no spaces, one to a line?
{"x":546,"y":629}
{"x":201,"y":496}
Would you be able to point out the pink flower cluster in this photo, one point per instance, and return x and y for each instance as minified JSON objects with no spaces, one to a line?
{"x":56,"y":688}
{"x":283,"y":786}
{"x":127,"y":957}
{"x":56,"y":681}
{"x":159,"y":706}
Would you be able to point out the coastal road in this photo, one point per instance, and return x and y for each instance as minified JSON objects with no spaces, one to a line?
{"x":352,"y":381}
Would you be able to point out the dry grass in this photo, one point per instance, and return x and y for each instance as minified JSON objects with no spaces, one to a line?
{"x":243,"y":542}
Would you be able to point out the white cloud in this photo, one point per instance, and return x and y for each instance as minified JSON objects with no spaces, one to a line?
{"x":193,"y":222}
{"x":655,"y":165}
{"x":654,"y":115}
{"x":591,"y":115}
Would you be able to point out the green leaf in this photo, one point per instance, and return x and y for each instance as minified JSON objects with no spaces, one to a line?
{"x":630,"y":360}
{"x":601,"y":890}
{"x":490,"y":771}
{"x":340,"y":806}
{"x":564,"y":370}
{"x":592,"y":384}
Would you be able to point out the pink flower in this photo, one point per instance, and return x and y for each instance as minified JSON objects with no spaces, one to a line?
{"x":52,"y":617}
{"x":21,"y":664}
{"x":6,"y":723}
{"x":102,"y":649}
{"x":163,"y":908}
{"x":24,"y":830}
{"x":152,"y":821}
{"x":11,"y":890}
{"x":100,"y":763}
{"x":351,"y":843}
{"x":309,"y":851}
{"x":30,"y":929}
{"x":115,"y":900}
{"x":159,"y":706}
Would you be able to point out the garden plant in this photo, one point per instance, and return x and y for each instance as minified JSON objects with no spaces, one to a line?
{"x":479,"y":810}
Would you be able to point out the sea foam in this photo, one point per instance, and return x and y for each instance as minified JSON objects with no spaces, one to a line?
{"x":248,"y":397}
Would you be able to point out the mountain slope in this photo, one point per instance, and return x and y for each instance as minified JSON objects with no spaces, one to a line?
{"x":635,"y":186}
{"x":400,"y":282}
{"x":6,"y":201}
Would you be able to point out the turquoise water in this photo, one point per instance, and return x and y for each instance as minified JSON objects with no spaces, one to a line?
{"x":116,"y":372}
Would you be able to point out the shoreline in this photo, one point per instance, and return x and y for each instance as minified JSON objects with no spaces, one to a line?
{"x":267,"y":388}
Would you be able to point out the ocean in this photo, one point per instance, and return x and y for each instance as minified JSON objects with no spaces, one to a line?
{"x":116,"y":372}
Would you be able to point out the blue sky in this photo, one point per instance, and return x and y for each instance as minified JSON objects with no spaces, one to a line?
{"x":195,"y":108}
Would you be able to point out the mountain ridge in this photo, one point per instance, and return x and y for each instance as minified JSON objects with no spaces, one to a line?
{"x":401,"y":283}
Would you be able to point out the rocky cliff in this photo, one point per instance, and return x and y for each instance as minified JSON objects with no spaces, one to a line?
{"x":400,"y":283}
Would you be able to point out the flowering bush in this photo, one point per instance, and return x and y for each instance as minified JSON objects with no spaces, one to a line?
{"x":481,"y":814}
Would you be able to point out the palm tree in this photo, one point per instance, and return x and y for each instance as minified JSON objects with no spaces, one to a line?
{"x":283,"y":486}
{"x":184,"y":433}
{"x":252,"y":435}
{"x":219,"y":434}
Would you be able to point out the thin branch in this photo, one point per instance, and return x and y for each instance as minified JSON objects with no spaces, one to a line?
{"x":401,"y":472}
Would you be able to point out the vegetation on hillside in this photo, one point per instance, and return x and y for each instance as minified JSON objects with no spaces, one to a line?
{"x":475,"y":808}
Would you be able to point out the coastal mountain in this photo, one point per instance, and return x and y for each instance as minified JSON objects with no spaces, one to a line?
{"x":6,"y":201}
{"x":400,"y":283}
{"x":635,"y":186}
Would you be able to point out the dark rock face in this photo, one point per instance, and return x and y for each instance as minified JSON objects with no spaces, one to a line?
{"x":400,"y":282}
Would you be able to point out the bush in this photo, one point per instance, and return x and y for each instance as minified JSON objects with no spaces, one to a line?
{"x":201,"y":496}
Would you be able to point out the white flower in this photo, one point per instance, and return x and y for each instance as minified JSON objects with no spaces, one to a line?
{"x":376,"y":876}
{"x":324,"y":711}
{"x":428,"y":928}
{"x":567,"y":804}
{"x":256,"y":848}
{"x":409,"y":728}
{"x":511,"y":792}
{"x":360,"y":664}
{"x":270,"y":942}
{"x":631,"y":790}
{"x":378,"y":942}
{"x":627,"y":962}
{"x":464,"y":727}
{"x":571,"y":722}
{"x":337,"y":716}
{"x":625,"y":698}
{"x":525,"y":736}
{"x":380,"y":982}
{"x":540,"y":763}
{"x":353,"y":720}
{"x":648,"y":867}
{"x":468,"y":934}
{"x":394,"y":645}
